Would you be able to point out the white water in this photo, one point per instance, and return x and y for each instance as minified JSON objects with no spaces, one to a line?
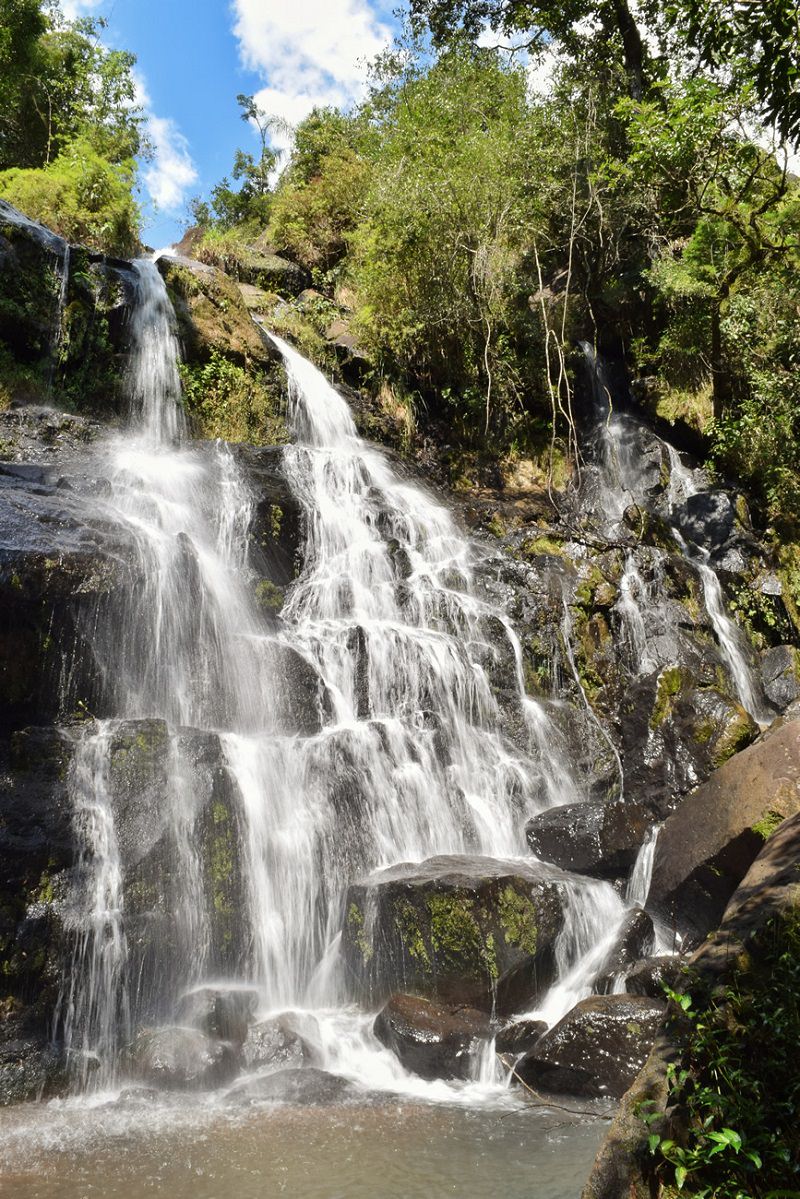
{"x":412,"y":757}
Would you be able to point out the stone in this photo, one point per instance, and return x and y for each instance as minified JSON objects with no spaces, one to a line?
{"x":224,"y":1013}
{"x":636,"y":938}
{"x":181,"y":1059}
{"x":780,"y":673}
{"x":596,"y":838}
{"x":477,"y":932}
{"x":597,"y":1049}
{"x":652,"y":976}
{"x":430,"y":1039}
{"x":307,"y":1087}
{"x":274,"y":1044}
{"x":519,"y":1036}
{"x":708,"y":844}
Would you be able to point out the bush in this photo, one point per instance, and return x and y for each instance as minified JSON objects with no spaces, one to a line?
{"x":81,"y":196}
{"x":226,"y":402}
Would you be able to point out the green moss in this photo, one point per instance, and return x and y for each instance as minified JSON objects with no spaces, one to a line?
{"x":518,"y":920}
{"x":769,"y":823}
{"x":355,"y":920}
{"x":406,"y":921}
{"x":456,"y":934}
{"x":542,"y":545}
{"x":670,"y":682}
{"x":738,"y":733}
{"x":269,"y":596}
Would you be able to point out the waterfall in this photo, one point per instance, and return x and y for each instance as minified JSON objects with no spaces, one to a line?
{"x":421,"y":740}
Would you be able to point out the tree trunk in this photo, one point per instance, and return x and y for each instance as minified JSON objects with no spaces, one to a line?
{"x":632,"y":48}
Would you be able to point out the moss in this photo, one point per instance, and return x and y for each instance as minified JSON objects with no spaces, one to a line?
{"x":670,"y":682}
{"x":456,"y":934}
{"x":406,"y":921}
{"x":355,"y":920}
{"x":769,"y":823}
{"x":542,"y":545}
{"x":738,"y":733}
{"x":269,"y":596}
{"x":591,"y":578}
{"x":518,"y":920}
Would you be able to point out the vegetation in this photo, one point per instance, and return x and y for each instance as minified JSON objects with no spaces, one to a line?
{"x":70,"y":129}
{"x":736,"y":1090}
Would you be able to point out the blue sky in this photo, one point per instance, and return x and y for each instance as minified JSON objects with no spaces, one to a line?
{"x":194,"y":56}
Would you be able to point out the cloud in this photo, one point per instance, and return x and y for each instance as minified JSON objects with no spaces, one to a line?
{"x":172,"y":172}
{"x":72,"y":9}
{"x":310,"y":52}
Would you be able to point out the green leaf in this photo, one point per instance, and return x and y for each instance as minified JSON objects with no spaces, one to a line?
{"x":680,"y":1176}
{"x":653,"y":1141}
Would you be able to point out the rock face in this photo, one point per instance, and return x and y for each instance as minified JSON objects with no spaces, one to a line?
{"x":519,"y":1037}
{"x":225,"y":1014}
{"x":181,"y":1059}
{"x":596,"y":838}
{"x":432,"y":1040}
{"x":651,"y":976}
{"x":597,"y":1049}
{"x":707,"y":846}
{"x":466,"y":931}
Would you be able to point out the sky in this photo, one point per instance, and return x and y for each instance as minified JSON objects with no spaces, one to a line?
{"x":195,"y":56}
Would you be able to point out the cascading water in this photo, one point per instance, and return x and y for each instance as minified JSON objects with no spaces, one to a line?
{"x":410,"y":753}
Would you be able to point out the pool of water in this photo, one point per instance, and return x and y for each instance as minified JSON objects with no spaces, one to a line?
{"x":381,"y":1150}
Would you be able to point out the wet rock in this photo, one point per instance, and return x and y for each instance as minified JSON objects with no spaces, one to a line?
{"x":635,"y":940}
{"x":306,"y":1087}
{"x":652,"y":976}
{"x":477,"y":932}
{"x":707,"y":846}
{"x":31,"y":1069}
{"x":596,"y":838}
{"x":432,"y":1040}
{"x":274,"y":1044}
{"x":780,"y":672}
{"x":597,"y":1049}
{"x":519,"y":1036}
{"x":224,"y":1013}
{"x":181,"y":1059}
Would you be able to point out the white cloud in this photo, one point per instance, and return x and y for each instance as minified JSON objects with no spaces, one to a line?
{"x":172,"y":172}
{"x":310,"y":52}
{"x":72,"y":9}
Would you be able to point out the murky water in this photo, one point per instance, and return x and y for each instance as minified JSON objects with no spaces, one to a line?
{"x":386,"y":1151}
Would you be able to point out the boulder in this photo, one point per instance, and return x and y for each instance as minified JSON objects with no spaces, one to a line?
{"x":597,"y":1049}
{"x":306,"y":1087}
{"x":430,"y":1039}
{"x":708,"y":844}
{"x":596,"y":838}
{"x":652,"y":976}
{"x":519,"y":1036}
{"x":636,"y":938}
{"x":274,"y":1044}
{"x":478,"y":932}
{"x":224,"y":1013}
{"x":181,"y":1059}
{"x":780,"y":674}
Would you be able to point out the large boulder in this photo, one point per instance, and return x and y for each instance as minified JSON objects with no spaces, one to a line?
{"x":519,"y":1036}
{"x":596,"y":838}
{"x":307,"y":1087}
{"x":273,"y":1044}
{"x":181,"y":1059}
{"x":430,"y":1039}
{"x":654,"y":976}
{"x":780,"y":675}
{"x":597,"y":1049}
{"x":708,"y":844}
{"x":478,"y":932}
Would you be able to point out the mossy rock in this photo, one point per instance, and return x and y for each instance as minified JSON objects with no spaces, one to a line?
{"x":472,"y":931}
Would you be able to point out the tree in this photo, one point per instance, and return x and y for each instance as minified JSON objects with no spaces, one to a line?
{"x":760,"y":42}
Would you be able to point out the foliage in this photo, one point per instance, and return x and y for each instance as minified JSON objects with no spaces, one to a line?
{"x":226,"y":401}
{"x":58,"y":83}
{"x":736,"y":1090}
{"x":80,"y":195}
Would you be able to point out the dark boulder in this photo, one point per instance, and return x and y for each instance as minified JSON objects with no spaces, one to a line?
{"x":708,"y":844}
{"x":780,"y":674}
{"x":519,"y":1036}
{"x":224,"y":1013}
{"x":597,"y":1049}
{"x":653,"y":976}
{"x":307,"y":1087}
{"x":636,"y":939}
{"x":274,"y":1044}
{"x":430,"y":1039}
{"x":478,"y":932}
{"x":31,"y":1069}
{"x":596,"y":838}
{"x":181,"y":1059}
